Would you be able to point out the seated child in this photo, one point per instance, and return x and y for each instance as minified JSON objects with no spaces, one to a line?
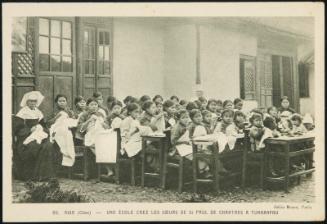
{"x":115,"y":118}
{"x":169,"y":113}
{"x":183,"y":103}
{"x":98,"y":96}
{"x":203,"y":102}
{"x":157,"y":99}
{"x":285,"y":125}
{"x":256,"y":131}
{"x":180,"y":136}
{"x":297,"y":126}
{"x":228,"y":104}
{"x":208,"y":121}
{"x":273,"y":112}
{"x":212,"y":107}
{"x":238,"y":104}
{"x":227,"y":119}
{"x":175,"y":99}
{"x":239,"y":122}
{"x":80,"y":105}
{"x":110,"y":101}
{"x":220,"y":109}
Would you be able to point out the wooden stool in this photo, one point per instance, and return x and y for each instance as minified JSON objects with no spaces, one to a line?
{"x":81,"y":152}
{"x":119,"y":161}
{"x":197,"y":154}
{"x":160,"y":152}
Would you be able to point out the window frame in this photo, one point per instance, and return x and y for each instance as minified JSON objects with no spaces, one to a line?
{"x":61,"y":55}
{"x":244,"y":94}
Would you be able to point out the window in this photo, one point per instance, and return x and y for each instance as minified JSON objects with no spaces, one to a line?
{"x":103,"y":53}
{"x":89,"y":51}
{"x":304,"y":79}
{"x":55,"y":45}
{"x":247,"y":77}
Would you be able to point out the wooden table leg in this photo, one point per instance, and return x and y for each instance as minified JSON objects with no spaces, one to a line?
{"x":164,"y":165}
{"x":85,"y":164}
{"x":143,"y":162}
{"x":287,"y":167}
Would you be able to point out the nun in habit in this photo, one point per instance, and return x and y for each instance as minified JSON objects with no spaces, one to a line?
{"x":35,"y":157}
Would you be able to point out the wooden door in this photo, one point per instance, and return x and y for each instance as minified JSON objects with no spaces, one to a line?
{"x":55,"y":60}
{"x":283,"y":83}
{"x":89,"y":61}
{"x":97,"y":63}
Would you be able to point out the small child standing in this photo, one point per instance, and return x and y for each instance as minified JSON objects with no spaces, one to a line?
{"x":208,"y":121}
{"x":98,"y":96}
{"x":256,"y":131}
{"x":115,"y":118}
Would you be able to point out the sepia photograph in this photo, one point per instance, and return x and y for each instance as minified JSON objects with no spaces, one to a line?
{"x":163,"y":109}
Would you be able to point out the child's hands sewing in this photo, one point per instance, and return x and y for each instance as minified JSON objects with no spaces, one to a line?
{"x":33,"y":128}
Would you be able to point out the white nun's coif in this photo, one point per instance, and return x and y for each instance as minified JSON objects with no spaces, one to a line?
{"x":33,"y":95}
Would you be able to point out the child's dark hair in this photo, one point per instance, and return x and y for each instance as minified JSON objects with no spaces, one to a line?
{"x":257,"y":111}
{"x":269,"y":122}
{"x":59,"y":96}
{"x":255,"y":116}
{"x":191,"y":105}
{"x":91,"y":99}
{"x":238,"y":113}
{"x":97,"y":94}
{"x":133,"y":100}
{"x":131,"y":107}
{"x":202,"y":99}
{"x":127,"y":99}
{"x":270,"y":109}
{"x":78,"y":99}
{"x":167,"y":104}
{"x":237,"y":100}
{"x":145,"y":98}
{"x":111,"y":99}
{"x":147,"y":104}
{"x":296,"y":117}
{"x":219,"y":102}
{"x":115,"y":103}
{"x":284,"y":98}
{"x":174,"y":97}
{"x":180,"y":113}
{"x":157,"y":97}
{"x":183,"y":102}
{"x":194,"y":112}
{"x":227,"y":111}
{"x":226,"y":102}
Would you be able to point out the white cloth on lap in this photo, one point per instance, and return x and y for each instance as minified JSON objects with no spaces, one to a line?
{"x":38,"y":135}
{"x":184,"y":149}
{"x":60,"y":132}
{"x":106,"y":146}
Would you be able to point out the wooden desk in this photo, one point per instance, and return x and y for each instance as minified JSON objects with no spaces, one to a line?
{"x":286,"y":148}
{"x":162,"y":141}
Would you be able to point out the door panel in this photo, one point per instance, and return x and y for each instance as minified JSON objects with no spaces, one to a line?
{"x":64,"y":85}
{"x":288,"y":87}
{"x":46,"y":84}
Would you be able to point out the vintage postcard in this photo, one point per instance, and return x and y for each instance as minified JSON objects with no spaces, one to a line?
{"x":163,"y":112}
